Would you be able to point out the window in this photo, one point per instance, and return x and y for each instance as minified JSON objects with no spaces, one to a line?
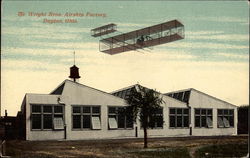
{"x":225,"y":118}
{"x":158,"y":121}
{"x":86,"y":117}
{"x":178,"y":117}
{"x":203,"y":118}
{"x":119,"y":118}
{"x":46,"y":117}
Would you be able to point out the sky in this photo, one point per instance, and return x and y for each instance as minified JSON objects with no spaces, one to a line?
{"x":36,"y":55}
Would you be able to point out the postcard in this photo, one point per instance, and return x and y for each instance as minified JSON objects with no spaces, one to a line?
{"x":69,"y":67}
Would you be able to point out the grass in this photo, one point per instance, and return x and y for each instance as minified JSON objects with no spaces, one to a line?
{"x":131,"y":148}
{"x":167,"y":153}
{"x":222,"y":150}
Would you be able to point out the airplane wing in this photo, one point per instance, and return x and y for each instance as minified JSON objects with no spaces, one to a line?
{"x":142,"y":38}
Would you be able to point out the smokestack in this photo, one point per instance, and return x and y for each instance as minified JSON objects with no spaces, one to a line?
{"x":6,"y":114}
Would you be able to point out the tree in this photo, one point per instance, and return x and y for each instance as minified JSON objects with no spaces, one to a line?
{"x":144,"y":103}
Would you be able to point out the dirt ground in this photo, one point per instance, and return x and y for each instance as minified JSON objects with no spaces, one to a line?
{"x":115,"y":148}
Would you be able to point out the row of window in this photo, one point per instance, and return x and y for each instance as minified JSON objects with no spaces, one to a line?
{"x":89,"y":117}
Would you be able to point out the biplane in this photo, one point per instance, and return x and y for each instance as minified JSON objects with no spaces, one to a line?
{"x":139,"y":39}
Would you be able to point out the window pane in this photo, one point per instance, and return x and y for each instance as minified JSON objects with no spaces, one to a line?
{"x":203,"y":121}
{"x":180,"y":95}
{"x":76,"y":110}
{"x":58,"y":123}
{"x":172,"y":111}
{"x":186,"y":121}
{"x":203,"y":111}
{"x":209,"y":122}
{"x":175,"y":95}
{"x":197,"y":121}
{"x":185,"y":111}
{"x":159,"y":121}
{"x":76,"y":121}
{"x":47,"y":109}
{"x":179,"y":121}
{"x":226,"y":112}
{"x":231,"y":121}
{"x":226,"y":122}
{"x":186,"y":96}
{"x":112,"y":122}
{"x":220,"y":121}
{"x":58,"y":115}
{"x":197,"y":111}
{"x":129,"y":121}
{"x":209,"y":111}
{"x":172,"y":121}
{"x":179,"y":111}
{"x":121,"y":110}
{"x":112,"y":110}
{"x":231,"y":112}
{"x":220,"y":112}
{"x":96,"y":110}
{"x":121,"y":121}
{"x":36,"y":108}
{"x":58,"y":109}
{"x":152,"y":123}
{"x":86,"y":121}
{"x":47,"y":121}
{"x":85,"y":109}
{"x":36,"y":121}
{"x":96,"y":123}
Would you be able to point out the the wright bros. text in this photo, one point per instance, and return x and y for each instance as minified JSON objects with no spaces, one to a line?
{"x":68,"y":17}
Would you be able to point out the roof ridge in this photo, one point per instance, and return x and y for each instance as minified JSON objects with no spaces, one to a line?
{"x":80,"y":84}
{"x":127,"y":87}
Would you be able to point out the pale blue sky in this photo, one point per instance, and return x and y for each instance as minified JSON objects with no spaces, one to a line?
{"x":214,"y":53}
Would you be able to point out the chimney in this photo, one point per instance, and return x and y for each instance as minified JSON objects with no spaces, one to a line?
{"x":6,"y":114}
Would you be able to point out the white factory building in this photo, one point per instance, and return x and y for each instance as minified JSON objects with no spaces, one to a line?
{"x":74,"y":111}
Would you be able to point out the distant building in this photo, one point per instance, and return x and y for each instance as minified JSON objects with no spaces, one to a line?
{"x":74,"y":111}
{"x":243,"y":115}
{"x":11,"y":127}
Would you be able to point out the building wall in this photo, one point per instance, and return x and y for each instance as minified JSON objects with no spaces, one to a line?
{"x":38,"y":134}
{"x":166,"y":131}
{"x":200,"y":100}
{"x":76,"y":94}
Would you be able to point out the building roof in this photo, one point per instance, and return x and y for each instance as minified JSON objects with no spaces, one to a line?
{"x":177,"y":95}
{"x":59,"y":90}
{"x":181,"y":95}
{"x":124,"y":92}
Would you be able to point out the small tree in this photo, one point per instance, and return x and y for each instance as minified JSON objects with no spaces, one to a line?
{"x":144,"y":103}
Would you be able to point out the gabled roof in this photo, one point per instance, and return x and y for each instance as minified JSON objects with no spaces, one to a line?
{"x":212,"y":96}
{"x":124,"y":92}
{"x":60,"y":88}
{"x":181,"y":95}
{"x":177,"y":95}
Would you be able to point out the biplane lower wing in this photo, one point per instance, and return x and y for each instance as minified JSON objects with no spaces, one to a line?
{"x":143,"y":38}
{"x":150,"y":43}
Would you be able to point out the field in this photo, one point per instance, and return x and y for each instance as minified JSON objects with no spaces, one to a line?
{"x":190,"y":147}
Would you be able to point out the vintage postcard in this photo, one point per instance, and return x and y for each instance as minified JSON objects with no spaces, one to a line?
{"x":124,"y":78}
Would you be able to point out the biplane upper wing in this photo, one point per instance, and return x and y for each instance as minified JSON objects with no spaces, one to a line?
{"x":103,"y":30}
{"x":146,"y":37}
